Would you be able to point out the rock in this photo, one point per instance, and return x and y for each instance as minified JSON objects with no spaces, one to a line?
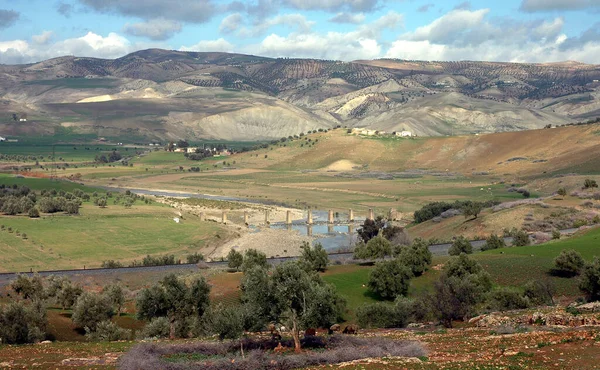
{"x":45,"y":342}
{"x":589,"y":307}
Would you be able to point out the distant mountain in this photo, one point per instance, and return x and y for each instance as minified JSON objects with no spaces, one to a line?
{"x":161,"y":94}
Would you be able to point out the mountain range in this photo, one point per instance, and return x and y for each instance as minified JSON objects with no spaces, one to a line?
{"x":164,"y":95}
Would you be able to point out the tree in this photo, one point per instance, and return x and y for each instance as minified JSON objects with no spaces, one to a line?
{"x":568,"y":263}
{"x":101,"y":202}
{"x":28,"y":287}
{"x":460,"y":245}
{"x":590,"y":184}
{"x":173,"y":299}
{"x":234,"y":259}
{"x":472,"y":209}
{"x":590,"y":280}
{"x":390,"y":279}
{"x":461,"y":286}
{"x":521,"y":239}
{"x":416,"y":256}
{"x":91,"y":309}
{"x":20,"y":323}
{"x":252,"y":258}
{"x":115,"y":294}
{"x":370,"y":228}
{"x":315,"y":258}
{"x":33,"y":212}
{"x":562,"y":192}
{"x":291,"y":295}
{"x":225,"y":321}
{"x":396,"y":235}
{"x":384,"y":315}
{"x":493,"y":242}
{"x":539,"y":292}
{"x":71,"y":208}
{"x":376,"y":248}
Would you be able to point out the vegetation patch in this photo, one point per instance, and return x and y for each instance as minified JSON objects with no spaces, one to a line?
{"x":265,"y":354}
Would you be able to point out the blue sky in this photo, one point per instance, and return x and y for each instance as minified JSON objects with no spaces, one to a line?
{"x":508,"y":30}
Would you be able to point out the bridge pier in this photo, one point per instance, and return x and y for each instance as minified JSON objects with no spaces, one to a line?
{"x":267,"y":217}
{"x":371,"y":214}
{"x":288,"y":218}
{"x":224,"y":217}
{"x":330,"y":229}
{"x":309,"y":221}
{"x":350,"y":229}
{"x":246,"y":218}
{"x":330,"y":217}
{"x":350,"y":215}
{"x":309,"y":230}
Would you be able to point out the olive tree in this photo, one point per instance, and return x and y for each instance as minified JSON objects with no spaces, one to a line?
{"x":460,"y":245}
{"x":390,"y":279}
{"x":234,"y":259}
{"x":252,"y":258}
{"x":315,"y":258}
{"x":376,"y":248}
{"x":568,"y":263}
{"x":417,"y":256}
{"x":91,"y":309}
{"x":590,"y":280}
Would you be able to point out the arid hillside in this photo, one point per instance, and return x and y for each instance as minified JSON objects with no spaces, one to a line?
{"x":161,"y":94}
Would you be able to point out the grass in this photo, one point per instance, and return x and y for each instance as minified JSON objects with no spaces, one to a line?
{"x":117,"y":233}
{"x":38,"y":184}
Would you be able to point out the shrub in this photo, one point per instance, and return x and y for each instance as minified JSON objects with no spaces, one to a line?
{"x":158,"y":327}
{"x":390,"y":279}
{"x":227,"y":322}
{"x":520,"y":239}
{"x":460,"y":245}
{"x":21,"y":324}
{"x":590,"y":280}
{"x":383,"y":315}
{"x":28,"y":287}
{"x":555,"y":234}
{"x":91,"y":309}
{"x":590,"y":184}
{"x":33,"y":212}
{"x":111,"y":264}
{"x":376,"y":248}
{"x":568,"y":263}
{"x":417,"y":256}
{"x":195,"y":258}
{"x":253,"y":258}
{"x":107,"y":331}
{"x":370,"y":228}
{"x":539,"y":292}
{"x":505,"y":298}
{"x":493,"y":242}
{"x":315,"y":258}
{"x":472,"y":209}
{"x":234,"y":259}
{"x":462,"y":285}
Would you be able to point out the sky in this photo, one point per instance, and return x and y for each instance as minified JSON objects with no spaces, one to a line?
{"x":499,"y":30}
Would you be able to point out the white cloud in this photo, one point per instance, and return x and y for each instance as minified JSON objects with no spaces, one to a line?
{"x":298,"y":22}
{"x":348,"y":18}
{"x":231,"y":23}
{"x":467,"y":35}
{"x":560,"y":5}
{"x":155,"y":29}
{"x":43,"y":38}
{"x":219,"y":45}
{"x":90,"y":45}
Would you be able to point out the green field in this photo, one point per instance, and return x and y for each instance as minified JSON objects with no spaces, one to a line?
{"x":61,"y":152}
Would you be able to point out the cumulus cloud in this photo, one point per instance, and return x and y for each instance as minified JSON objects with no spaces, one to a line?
{"x":155,"y":29}
{"x":348,"y":18}
{"x":43,"y":38}
{"x":298,"y":22}
{"x":333,"y":5}
{"x":8,"y":18}
{"x":90,"y":45}
{"x":361,"y":43}
{"x":465,"y":5}
{"x":193,"y":11}
{"x":231,"y":23}
{"x":561,"y":5}
{"x":468,"y":35}
{"x":220,"y":45}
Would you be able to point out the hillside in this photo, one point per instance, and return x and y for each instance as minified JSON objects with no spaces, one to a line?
{"x":161,"y":94}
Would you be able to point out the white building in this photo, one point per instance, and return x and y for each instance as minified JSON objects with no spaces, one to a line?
{"x":191,"y":150}
{"x":2,"y":138}
{"x":404,"y":134}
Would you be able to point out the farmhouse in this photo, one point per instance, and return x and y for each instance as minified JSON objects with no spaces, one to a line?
{"x":404,"y":134}
{"x":2,"y":139}
{"x":191,"y":149}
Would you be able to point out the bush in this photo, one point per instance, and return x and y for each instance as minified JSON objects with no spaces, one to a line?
{"x":520,"y":239}
{"x":158,"y":328}
{"x":107,"y":331}
{"x":568,"y":263}
{"x":376,"y":248}
{"x":460,"y":245}
{"x":111,"y":264}
{"x":539,"y":292}
{"x":33,"y":212}
{"x":590,"y":280}
{"x":590,"y":184}
{"x":370,"y":228}
{"x":195,"y":258}
{"x":91,"y":309}
{"x":493,"y":242}
{"x":21,"y":324}
{"x":472,"y":209}
{"x":253,"y":258}
{"x":234,"y":259}
{"x":390,"y":279}
{"x":383,"y":315}
{"x":505,"y":298}
{"x":227,"y":322}
{"x":315,"y":258}
{"x":555,"y":234}
{"x":417,"y":256}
